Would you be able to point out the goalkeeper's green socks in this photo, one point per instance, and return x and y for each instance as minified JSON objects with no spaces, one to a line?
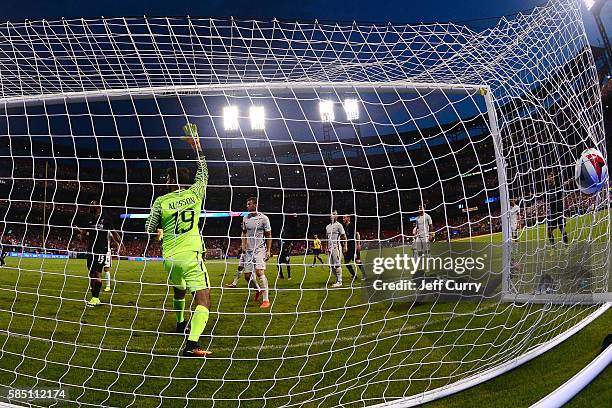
{"x":198,"y":323}
{"x":179,"y":309}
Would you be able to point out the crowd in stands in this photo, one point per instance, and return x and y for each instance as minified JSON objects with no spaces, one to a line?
{"x":63,"y":240}
{"x":28,"y":237}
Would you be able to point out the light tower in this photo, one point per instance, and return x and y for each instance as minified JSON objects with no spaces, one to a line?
{"x":595,"y":7}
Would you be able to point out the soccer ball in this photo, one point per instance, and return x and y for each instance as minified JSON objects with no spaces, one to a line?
{"x":591,"y":171}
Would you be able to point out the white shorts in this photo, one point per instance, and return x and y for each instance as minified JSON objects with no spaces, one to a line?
{"x":421,"y":245}
{"x":108,"y":260}
{"x":254,"y":260}
{"x":334,"y":257}
{"x":514,"y":231}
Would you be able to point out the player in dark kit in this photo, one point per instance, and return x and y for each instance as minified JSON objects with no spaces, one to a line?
{"x":284,"y":257}
{"x":555,"y":217}
{"x":99,"y":231}
{"x":3,"y":252}
{"x":287,"y":235}
{"x":353,"y":247}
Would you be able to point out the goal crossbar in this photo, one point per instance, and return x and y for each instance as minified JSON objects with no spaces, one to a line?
{"x":208,"y":89}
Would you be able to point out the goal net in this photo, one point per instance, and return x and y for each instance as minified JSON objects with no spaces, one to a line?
{"x":478,"y":127}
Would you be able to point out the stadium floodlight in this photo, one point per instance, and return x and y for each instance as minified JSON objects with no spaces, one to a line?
{"x":326,"y":108}
{"x":258,"y":120}
{"x":230,"y":118}
{"x":351,"y":109}
{"x":595,"y":7}
{"x":589,"y":4}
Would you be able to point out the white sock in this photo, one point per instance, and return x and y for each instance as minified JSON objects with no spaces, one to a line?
{"x":107,"y":276}
{"x":237,"y":277}
{"x":264,"y":285}
{"x":339,"y":275}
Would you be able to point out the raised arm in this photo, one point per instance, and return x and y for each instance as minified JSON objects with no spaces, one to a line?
{"x":201,"y":178}
{"x":154,"y":218}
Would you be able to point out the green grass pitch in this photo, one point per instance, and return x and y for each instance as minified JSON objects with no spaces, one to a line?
{"x":314,"y":347}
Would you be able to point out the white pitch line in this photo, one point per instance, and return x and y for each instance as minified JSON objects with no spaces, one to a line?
{"x":170,"y":293}
{"x":272,"y":346}
{"x":72,"y":291}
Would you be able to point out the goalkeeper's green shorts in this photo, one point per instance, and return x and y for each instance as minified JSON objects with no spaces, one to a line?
{"x":187,"y":271}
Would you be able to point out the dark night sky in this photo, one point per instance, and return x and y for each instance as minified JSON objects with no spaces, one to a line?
{"x":332,"y":10}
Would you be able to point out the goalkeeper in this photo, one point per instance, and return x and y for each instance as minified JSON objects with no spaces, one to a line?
{"x":177,"y":214}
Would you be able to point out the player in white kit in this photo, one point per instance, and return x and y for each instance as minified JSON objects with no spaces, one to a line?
{"x":514,"y":219}
{"x":336,"y":242}
{"x":256,"y":244}
{"x":108,"y":262}
{"x":423,"y":233}
{"x":250,"y":282}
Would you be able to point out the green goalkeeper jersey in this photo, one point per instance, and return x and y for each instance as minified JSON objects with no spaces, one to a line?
{"x":178,"y":215}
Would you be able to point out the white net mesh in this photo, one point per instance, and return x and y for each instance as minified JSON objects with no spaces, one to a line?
{"x":368,"y":120}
